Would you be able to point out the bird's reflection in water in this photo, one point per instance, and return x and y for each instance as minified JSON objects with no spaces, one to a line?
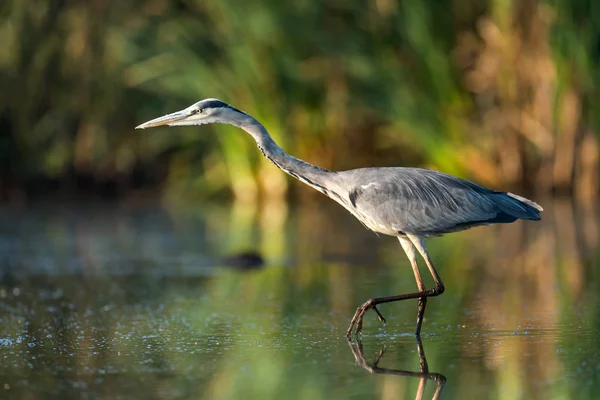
{"x":424,"y":375}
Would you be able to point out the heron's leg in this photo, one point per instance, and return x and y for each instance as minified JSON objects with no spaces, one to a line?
{"x":409,"y":249}
{"x":419,"y":243}
{"x":371,"y":303}
{"x":438,"y":289}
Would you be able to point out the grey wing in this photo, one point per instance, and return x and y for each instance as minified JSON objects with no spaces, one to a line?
{"x":423,"y":202}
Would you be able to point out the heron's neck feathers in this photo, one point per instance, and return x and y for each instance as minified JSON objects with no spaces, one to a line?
{"x":312,"y":175}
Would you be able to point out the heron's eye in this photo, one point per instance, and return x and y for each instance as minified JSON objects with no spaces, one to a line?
{"x":197,"y":111}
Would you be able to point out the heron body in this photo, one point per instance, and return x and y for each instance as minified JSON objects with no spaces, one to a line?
{"x":396,"y":201}
{"x":409,"y":203}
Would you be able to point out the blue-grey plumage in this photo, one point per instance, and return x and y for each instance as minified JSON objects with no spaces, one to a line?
{"x":409,"y":203}
{"x":423,"y":202}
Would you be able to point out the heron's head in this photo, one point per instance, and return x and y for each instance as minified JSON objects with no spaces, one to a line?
{"x":207,"y":111}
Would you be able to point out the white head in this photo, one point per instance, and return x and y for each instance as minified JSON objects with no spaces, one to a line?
{"x":207,"y":111}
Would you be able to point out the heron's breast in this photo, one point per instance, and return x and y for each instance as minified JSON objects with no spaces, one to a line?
{"x":368,"y":221}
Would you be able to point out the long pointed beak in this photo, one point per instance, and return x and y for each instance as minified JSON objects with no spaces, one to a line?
{"x":164,"y":120}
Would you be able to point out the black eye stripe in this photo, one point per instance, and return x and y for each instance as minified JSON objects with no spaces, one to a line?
{"x":214,"y":104}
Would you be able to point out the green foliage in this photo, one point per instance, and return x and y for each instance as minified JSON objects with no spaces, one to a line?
{"x":342,"y":84}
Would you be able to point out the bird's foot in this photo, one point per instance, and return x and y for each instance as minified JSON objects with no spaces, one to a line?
{"x":357,"y":320}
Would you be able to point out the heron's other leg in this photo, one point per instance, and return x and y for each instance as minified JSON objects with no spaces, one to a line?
{"x":438,"y":289}
{"x":419,"y":243}
{"x":409,"y":249}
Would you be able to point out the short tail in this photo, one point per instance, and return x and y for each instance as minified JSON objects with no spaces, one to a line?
{"x":518,"y":207}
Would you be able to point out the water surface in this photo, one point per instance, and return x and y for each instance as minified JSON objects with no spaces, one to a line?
{"x":149,"y":302}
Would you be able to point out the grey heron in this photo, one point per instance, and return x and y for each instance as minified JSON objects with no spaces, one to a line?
{"x":408,"y":203}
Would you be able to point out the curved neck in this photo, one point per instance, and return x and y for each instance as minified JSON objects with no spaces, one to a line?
{"x":312,"y":175}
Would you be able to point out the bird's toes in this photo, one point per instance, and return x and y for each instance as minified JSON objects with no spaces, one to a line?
{"x":358,"y":328}
{"x":349,"y":331}
{"x":379,"y":316}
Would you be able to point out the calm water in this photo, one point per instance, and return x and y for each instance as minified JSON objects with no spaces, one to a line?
{"x":147,"y":302}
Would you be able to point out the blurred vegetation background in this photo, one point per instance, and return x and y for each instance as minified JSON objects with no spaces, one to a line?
{"x":499,"y":91}
{"x":502,"y":92}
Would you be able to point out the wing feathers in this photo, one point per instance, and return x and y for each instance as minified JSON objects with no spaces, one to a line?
{"x":425,"y":202}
